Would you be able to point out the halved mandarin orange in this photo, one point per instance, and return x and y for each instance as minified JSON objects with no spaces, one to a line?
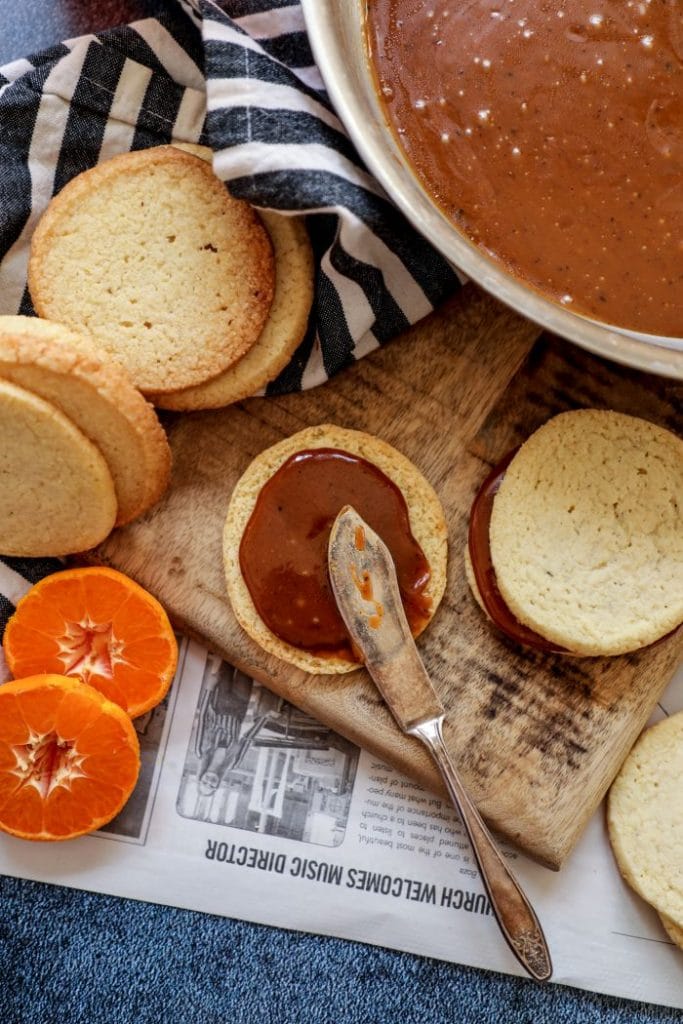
{"x":69,"y":758}
{"x":99,"y":626}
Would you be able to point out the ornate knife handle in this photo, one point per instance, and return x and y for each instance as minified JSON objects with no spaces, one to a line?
{"x":512,"y":909}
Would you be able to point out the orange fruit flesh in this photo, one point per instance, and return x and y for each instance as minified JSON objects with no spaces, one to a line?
{"x":99,"y":626}
{"x":69,"y":758}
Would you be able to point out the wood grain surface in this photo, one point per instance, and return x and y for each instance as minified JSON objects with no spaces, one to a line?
{"x":537,"y":738}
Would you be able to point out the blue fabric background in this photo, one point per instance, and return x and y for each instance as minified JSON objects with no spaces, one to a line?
{"x":88,"y":959}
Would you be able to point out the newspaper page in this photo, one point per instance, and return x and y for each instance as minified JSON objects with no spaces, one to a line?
{"x":248,"y":808}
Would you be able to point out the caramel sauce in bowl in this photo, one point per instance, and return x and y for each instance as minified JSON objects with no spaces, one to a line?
{"x":551,"y":132}
{"x":338,"y":38}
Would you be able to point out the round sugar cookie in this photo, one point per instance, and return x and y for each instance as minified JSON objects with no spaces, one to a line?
{"x":587,"y":532}
{"x":56,"y":492}
{"x":65,"y":368}
{"x":645,"y":818}
{"x":150,"y":254}
{"x":283,"y":333}
{"x":426,"y":517}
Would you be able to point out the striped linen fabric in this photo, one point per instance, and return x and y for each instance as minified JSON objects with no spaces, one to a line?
{"x":239,"y":77}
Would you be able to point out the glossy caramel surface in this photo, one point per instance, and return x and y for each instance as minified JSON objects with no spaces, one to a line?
{"x":552,"y":134}
{"x":283,"y":553}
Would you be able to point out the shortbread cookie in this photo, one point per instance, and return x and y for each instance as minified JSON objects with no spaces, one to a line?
{"x":587,"y":532}
{"x":56,"y":492}
{"x":674,"y":931}
{"x":472,"y":582}
{"x":645,"y":818}
{"x":427,"y":525}
{"x":283,"y":333}
{"x":65,"y":368}
{"x":195,"y":149}
{"x":150,"y":254}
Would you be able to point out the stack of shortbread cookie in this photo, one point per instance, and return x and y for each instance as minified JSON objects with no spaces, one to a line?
{"x":81,"y":449}
{"x":201,"y":300}
{"x":150,"y":280}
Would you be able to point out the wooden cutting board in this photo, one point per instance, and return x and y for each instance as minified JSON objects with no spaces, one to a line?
{"x":537,"y":738}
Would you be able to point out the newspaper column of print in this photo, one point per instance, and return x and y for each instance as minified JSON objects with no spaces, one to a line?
{"x":256,"y":762}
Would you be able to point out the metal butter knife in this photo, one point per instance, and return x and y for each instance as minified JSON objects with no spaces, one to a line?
{"x":364,"y":583}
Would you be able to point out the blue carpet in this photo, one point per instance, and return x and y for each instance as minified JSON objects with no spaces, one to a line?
{"x":89,"y":959}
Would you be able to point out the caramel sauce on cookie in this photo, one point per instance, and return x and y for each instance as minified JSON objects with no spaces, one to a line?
{"x":484,"y":572}
{"x":283,"y":553}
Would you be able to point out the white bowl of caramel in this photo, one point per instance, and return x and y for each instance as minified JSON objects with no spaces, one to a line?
{"x":539,"y":147}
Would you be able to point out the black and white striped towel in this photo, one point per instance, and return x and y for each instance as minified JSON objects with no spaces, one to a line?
{"x":238,"y":76}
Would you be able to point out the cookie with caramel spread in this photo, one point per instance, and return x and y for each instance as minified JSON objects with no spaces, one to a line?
{"x":275,"y":540}
{"x":586,"y":533}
